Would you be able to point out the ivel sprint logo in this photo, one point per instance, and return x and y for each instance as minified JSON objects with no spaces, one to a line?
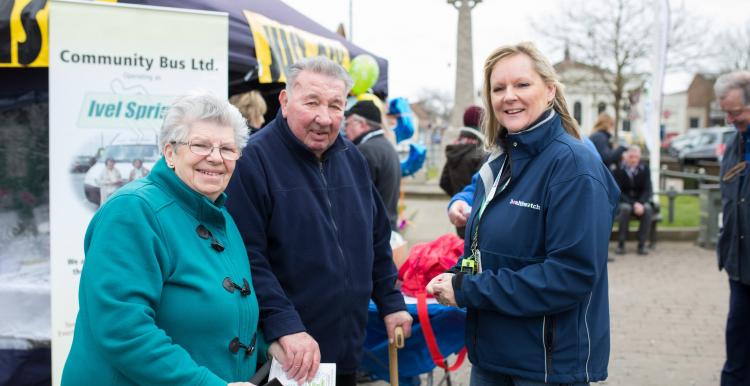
{"x":525,"y":204}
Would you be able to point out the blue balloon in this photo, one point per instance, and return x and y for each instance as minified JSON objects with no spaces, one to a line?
{"x":414,"y":161}
{"x":404,"y":122}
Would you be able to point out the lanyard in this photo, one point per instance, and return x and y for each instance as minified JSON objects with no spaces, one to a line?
{"x":474,"y":262}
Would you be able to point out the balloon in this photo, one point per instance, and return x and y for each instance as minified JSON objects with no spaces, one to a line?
{"x":371,"y":97}
{"x":364,"y":71}
{"x":404,"y":123}
{"x":413,"y":161}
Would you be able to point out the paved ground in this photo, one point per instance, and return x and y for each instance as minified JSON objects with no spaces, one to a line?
{"x":668,"y":309}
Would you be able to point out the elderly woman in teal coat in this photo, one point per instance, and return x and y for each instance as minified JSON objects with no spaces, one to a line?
{"x":166,"y":296}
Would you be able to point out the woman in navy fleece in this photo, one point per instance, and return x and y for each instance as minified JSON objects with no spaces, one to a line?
{"x":533,"y":277}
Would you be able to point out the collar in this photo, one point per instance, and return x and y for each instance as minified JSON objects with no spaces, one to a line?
{"x":296,"y":146}
{"x":198,"y":205}
{"x":533,"y":140}
{"x":366,"y":136}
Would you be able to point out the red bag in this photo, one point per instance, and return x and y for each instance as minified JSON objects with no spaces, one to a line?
{"x":427,"y":260}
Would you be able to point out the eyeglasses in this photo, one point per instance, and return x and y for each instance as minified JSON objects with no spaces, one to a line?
{"x":735,"y":113}
{"x":203,"y":148}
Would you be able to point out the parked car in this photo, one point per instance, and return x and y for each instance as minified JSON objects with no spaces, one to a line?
{"x":123,"y":153}
{"x":707,"y":145}
{"x":82,"y":163}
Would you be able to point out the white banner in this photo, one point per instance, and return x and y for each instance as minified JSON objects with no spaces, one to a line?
{"x":113,"y":71}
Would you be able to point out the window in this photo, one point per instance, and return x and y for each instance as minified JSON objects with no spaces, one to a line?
{"x":626,"y":125}
{"x":577,"y":113}
{"x":601,"y":107}
{"x":694,"y":122}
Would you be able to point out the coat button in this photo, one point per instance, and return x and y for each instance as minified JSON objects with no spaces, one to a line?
{"x":234,"y":345}
{"x":515,"y":144}
{"x":228,"y":285}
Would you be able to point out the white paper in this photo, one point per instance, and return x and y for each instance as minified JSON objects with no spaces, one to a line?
{"x":326,"y":375}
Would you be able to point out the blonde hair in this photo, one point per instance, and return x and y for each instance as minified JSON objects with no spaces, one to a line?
{"x":251,"y":105}
{"x":490,"y":126}
{"x":604,"y":122}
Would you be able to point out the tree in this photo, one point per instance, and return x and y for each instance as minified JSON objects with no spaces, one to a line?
{"x":615,"y":38}
{"x":733,"y":49}
{"x":437,"y":103}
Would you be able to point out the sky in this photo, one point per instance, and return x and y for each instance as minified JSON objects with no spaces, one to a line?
{"x":418,"y":37}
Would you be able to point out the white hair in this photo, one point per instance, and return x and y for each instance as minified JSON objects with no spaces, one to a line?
{"x":201,"y":106}
{"x":318,"y":65}
{"x":737,"y":80}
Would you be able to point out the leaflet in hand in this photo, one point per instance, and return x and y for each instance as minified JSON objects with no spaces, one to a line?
{"x":326,"y":375}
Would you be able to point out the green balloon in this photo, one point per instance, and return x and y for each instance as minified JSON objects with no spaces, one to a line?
{"x":364,"y":72}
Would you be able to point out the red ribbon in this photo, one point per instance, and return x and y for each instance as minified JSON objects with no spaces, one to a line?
{"x":429,"y":336}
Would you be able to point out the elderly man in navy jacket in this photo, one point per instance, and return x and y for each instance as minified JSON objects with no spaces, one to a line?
{"x":315,"y":229}
{"x":634,"y":180}
{"x":733,"y":92}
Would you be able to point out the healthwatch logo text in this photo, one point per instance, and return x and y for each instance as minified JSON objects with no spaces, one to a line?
{"x":525,"y":204}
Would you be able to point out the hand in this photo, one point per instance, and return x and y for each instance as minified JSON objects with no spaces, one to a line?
{"x":277,"y":353}
{"x":302,"y":356}
{"x":398,"y":318}
{"x":441,"y":288}
{"x":458,"y":213}
{"x":638,"y":209}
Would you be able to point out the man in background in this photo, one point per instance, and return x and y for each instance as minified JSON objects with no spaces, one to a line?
{"x":634,"y":180}
{"x":733,"y":247}
{"x":364,"y":128}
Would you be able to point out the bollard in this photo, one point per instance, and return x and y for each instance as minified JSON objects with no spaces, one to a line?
{"x":671,"y":195}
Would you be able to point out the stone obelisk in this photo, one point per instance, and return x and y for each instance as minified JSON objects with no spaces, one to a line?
{"x":464,"y":91}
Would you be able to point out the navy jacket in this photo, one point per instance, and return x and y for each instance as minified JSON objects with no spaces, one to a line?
{"x":318,"y":240}
{"x":734,"y":238}
{"x":539,"y":309}
{"x":610,"y":157}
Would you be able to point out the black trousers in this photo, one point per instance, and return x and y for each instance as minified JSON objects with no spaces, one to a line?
{"x":736,"y":369}
{"x":346,"y":379}
{"x":624,"y":216}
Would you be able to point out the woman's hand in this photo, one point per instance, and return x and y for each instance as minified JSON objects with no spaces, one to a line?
{"x":277,"y":353}
{"x":442,"y":289}
{"x":240,"y":384}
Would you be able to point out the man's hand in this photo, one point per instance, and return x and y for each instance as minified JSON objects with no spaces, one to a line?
{"x":302,"y":356}
{"x":638,"y":209}
{"x":398,"y":318}
{"x":458,"y":213}
{"x":442,"y":289}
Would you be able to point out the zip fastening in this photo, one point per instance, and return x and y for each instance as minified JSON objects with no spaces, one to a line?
{"x":333,"y":221}
{"x":544,"y":346}
{"x":588,"y":335}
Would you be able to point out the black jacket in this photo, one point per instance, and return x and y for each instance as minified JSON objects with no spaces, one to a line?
{"x":635,"y":189}
{"x":385,"y":169}
{"x":462,"y":161}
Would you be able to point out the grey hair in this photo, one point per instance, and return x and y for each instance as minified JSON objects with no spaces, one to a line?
{"x":634,"y":148}
{"x":737,"y":80}
{"x":319,"y":65}
{"x":197,"y":106}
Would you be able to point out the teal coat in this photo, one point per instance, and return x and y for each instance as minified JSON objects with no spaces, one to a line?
{"x":154,"y":309}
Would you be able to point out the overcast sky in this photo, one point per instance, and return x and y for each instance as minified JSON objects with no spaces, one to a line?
{"x":418,"y":37}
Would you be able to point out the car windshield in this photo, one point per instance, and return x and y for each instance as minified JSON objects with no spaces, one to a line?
{"x":128,"y":153}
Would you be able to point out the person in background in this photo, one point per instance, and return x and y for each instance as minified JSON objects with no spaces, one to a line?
{"x":535,"y":271}
{"x":138,"y":171}
{"x":316,"y":231}
{"x":364,"y":127}
{"x":464,"y":156}
{"x":253,"y":108}
{"x":602,"y":139}
{"x":166,"y":295}
{"x":634,"y":180}
{"x":109,"y":180}
{"x":733,"y":247}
